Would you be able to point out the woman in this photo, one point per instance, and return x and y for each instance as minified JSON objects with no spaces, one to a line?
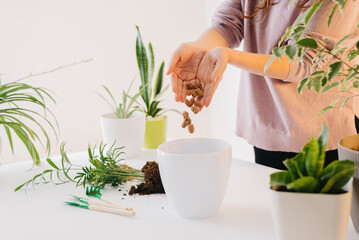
{"x":271,"y":115}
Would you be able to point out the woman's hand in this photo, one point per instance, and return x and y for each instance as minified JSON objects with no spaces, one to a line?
{"x":184,"y":66}
{"x":210,"y":72}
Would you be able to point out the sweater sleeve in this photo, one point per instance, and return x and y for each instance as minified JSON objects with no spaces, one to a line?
{"x":228,"y":21}
{"x":342,"y":25}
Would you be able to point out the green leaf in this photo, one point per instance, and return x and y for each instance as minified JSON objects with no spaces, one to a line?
{"x":311,"y":11}
{"x":302,"y":84}
{"x":337,"y":175}
{"x":306,"y":184}
{"x":142,"y":63}
{"x":52,"y":164}
{"x":151,"y":62}
{"x":317,"y":84}
{"x":291,"y":51}
{"x":312,"y":157}
{"x":280,"y":178}
{"x":292,"y":165}
{"x":330,"y":86}
{"x":159,"y":80}
{"x":278,"y":51}
{"x":324,"y":110}
{"x":356,"y":84}
{"x":344,"y":103}
{"x":269,"y":63}
{"x":308,"y":43}
{"x":334,"y":69}
{"x":298,"y":32}
{"x":331,"y":16}
{"x":357,"y":45}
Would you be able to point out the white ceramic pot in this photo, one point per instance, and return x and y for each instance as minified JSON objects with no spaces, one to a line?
{"x":128,"y":132}
{"x":345,"y":152}
{"x":299,"y":216}
{"x":194,"y":173}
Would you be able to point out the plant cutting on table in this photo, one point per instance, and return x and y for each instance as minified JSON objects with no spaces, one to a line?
{"x":105,"y":169}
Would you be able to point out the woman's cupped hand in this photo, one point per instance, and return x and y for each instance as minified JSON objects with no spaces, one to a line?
{"x":190,"y":64}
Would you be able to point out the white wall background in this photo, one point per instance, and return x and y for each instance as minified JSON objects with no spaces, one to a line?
{"x":39,"y":35}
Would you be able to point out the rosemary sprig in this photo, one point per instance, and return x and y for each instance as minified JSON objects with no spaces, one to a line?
{"x":105,"y":169}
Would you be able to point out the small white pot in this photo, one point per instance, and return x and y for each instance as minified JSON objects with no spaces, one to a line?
{"x":299,"y":216}
{"x":128,"y":132}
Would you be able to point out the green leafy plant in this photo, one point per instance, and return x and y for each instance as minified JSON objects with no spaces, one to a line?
{"x":124,"y":109}
{"x":16,"y":119}
{"x":306,"y":172}
{"x":19,"y":116}
{"x":105,"y":169}
{"x":146,"y":64}
{"x":343,"y":69}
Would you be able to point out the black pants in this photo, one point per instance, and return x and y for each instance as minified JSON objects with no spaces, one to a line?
{"x":275,"y":159}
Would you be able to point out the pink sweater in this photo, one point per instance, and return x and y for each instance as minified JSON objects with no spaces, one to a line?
{"x":271,"y":115}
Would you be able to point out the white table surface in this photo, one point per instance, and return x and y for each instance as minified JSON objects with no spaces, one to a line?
{"x":40,"y":213}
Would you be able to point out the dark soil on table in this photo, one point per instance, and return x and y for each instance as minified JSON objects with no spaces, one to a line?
{"x":152,"y":184}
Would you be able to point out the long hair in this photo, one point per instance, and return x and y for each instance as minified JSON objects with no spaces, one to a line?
{"x":265,"y":5}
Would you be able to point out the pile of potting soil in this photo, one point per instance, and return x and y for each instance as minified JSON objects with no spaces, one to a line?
{"x":152,"y":184}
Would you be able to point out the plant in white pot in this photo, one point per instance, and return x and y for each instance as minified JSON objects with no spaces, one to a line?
{"x":124,"y":126}
{"x":156,"y":122}
{"x":342,"y":74}
{"x":309,"y":201}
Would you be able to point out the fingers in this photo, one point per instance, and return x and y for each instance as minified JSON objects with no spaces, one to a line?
{"x":174,"y":82}
{"x":174,"y":60}
{"x":208,"y":94}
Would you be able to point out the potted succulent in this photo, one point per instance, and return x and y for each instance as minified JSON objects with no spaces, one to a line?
{"x":124,"y":126}
{"x":342,"y":74}
{"x":156,"y":121}
{"x":309,"y":201}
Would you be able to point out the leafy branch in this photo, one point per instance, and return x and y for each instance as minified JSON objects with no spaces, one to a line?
{"x":342,"y":74}
{"x":105,"y":169}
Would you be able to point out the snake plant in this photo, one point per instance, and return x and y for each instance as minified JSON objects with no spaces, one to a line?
{"x":146,"y":64}
{"x":306,"y":172}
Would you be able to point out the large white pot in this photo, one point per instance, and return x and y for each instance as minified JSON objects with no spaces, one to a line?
{"x":128,"y":132}
{"x":306,"y":216}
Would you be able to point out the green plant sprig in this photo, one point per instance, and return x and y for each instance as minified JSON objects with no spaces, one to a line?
{"x":306,"y":172}
{"x":105,"y":169}
{"x":343,"y":69}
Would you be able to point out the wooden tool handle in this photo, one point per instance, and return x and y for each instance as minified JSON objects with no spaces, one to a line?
{"x":115,"y":203}
{"x":111,"y":210}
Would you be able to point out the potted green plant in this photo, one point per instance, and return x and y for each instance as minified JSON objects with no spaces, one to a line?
{"x":124,"y":126}
{"x":156,"y":121}
{"x":342,"y":74}
{"x":309,"y":201}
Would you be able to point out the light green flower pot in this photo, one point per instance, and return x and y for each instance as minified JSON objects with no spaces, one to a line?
{"x":155,"y":132}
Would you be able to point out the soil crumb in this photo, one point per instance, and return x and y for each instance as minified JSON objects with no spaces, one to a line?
{"x":152,"y":184}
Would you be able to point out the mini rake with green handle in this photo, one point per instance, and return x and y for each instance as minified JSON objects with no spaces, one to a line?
{"x":103,"y":209}
{"x":95,"y":192}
